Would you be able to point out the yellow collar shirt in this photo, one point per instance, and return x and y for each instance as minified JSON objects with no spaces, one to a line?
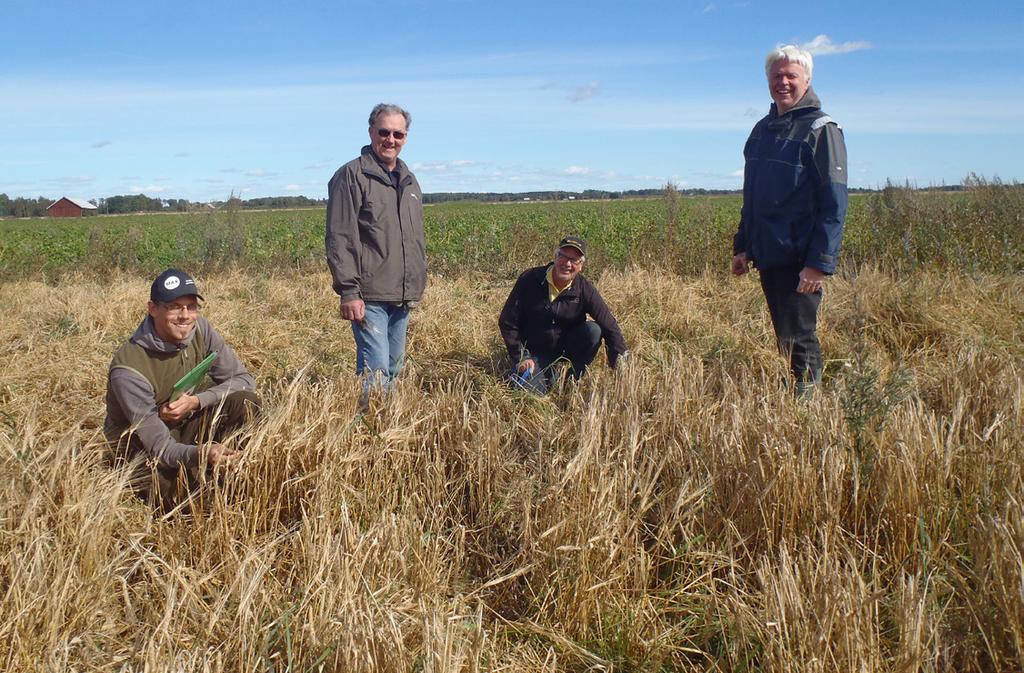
{"x":553,"y":290}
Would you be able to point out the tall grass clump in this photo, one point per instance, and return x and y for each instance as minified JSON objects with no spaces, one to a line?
{"x":683,"y":512}
{"x":980,"y":228}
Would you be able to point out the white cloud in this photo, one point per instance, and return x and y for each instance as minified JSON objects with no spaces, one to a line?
{"x":150,"y":189}
{"x":431,"y":167}
{"x":293,"y":188}
{"x":577,"y":170}
{"x":736,"y":174}
{"x":260,"y":173}
{"x":822,"y":45}
{"x":442,"y":166}
{"x":584,"y":92}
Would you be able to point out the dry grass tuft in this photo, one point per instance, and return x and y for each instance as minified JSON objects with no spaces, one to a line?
{"x":682,"y":513}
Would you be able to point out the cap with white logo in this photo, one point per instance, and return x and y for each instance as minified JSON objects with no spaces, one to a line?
{"x":171,"y":284}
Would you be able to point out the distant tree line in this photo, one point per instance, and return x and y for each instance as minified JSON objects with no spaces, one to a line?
{"x":22,"y":207}
{"x":588,"y":194}
{"x":140,"y":203}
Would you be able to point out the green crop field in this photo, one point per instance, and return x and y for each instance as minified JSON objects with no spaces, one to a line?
{"x":980,"y":229}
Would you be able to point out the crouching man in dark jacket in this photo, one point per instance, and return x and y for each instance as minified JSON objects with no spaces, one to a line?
{"x":794,"y":207}
{"x":168,"y":437}
{"x":545,"y":320}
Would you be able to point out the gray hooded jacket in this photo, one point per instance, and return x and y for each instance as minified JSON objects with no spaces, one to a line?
{"x":131,"y":398}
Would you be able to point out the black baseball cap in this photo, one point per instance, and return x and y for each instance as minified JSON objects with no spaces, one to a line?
{"x":574,"y":242}
{"x":171,"y":284}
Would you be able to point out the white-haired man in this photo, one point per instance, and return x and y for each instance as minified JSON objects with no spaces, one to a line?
{"x":794,"y":207}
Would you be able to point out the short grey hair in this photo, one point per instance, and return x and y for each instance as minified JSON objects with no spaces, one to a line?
{"x":381,"y":109}
{"x":791,"y":53}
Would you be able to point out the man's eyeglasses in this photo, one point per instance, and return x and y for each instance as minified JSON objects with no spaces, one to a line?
{"x":575,"y":261}
{"x":384,"y":133}
{"x":179,"y":308}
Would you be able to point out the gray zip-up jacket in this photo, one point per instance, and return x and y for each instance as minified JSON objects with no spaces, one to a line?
{"x":131,"y":398}
{"x":376,"y":248}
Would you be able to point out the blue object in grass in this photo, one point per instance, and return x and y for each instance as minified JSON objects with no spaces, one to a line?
{"x":521,"y":379}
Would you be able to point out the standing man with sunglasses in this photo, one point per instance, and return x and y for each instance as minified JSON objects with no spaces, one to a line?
{"x":376,"y":248}
{"x":161,"y":435}
{"x":545,"y":320}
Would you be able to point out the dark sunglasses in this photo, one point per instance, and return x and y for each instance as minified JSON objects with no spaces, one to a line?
{"x":384,"y":133}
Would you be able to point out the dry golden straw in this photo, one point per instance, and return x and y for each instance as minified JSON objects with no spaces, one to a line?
{"x":683,"y":513}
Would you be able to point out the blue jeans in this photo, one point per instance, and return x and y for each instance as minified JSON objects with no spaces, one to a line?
{"x":578,"y":347}
{"x":380,"y":343}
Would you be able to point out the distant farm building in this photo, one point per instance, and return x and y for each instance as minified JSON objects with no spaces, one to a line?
{"x":68,"y":207}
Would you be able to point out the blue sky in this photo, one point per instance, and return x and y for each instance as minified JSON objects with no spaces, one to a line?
{"x":201,"y":100}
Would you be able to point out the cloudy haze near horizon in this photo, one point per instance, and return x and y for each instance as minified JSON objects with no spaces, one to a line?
{"x":267,"y":99}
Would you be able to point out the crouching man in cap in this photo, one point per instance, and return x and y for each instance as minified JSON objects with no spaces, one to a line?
{"x":545,"y":320}
{"x":164,"y":439}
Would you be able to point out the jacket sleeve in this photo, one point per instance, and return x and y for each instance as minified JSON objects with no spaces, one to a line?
{"x":831,"y":199}
{"x":739,"y":241}
{"x":614,"y":342}
{"x":510,"y":322}
{"x":138,"y":401}
{"x":342,"y":233}
{"x":228,"y":373}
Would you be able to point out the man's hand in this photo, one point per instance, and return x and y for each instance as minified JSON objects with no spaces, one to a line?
{"x":353,"y":309}
{"x":525,"y":365}
{"x":811,"y":280}
{"x":179,"y":409}
{"x":219,"y":455}
{"x":740,"y":264}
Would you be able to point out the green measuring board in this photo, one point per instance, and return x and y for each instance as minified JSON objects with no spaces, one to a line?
{"x":188,"y":382}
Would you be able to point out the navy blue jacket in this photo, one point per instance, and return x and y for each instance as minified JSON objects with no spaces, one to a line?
{"x":529,"y":322}
{"x":794,"y":189}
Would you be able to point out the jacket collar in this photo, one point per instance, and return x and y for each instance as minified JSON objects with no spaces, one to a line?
{"x":370,"y":165}
{"x":569,"y":291}
{"x":147,"y":337}
{"x":809,"y":101}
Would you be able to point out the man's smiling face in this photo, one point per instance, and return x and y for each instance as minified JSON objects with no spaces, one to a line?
{"x":174,"y":320}
{"x":787,"y":83}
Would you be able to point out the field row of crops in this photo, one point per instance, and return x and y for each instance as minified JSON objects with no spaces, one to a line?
{"x":980,"y":229}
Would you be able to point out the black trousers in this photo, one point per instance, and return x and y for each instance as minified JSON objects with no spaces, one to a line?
{"x":579,"y":346}
{"x":795,"y":319}
{"x":163,"y":486}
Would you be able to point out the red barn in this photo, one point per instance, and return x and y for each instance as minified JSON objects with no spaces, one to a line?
{"x":68,"y":207}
